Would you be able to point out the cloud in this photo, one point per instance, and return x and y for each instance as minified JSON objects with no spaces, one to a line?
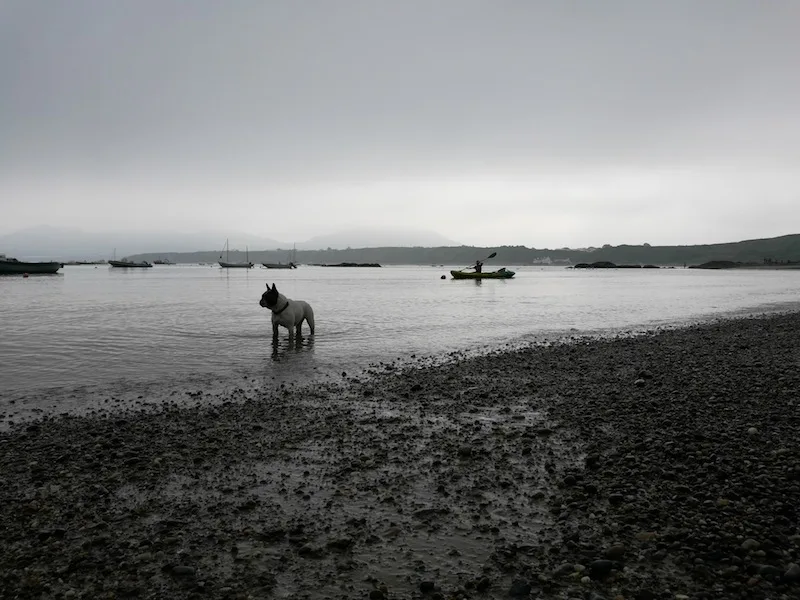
{"x":577,"y":120}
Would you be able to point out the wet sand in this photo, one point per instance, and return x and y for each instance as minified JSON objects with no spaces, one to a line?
{"x":665,"y":465}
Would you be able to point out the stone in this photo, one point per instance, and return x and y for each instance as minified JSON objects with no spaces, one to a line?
{"x":426,"y":587}
{"x":792,"y":573}
{"x":750,"y":544}
{"x":600,"y":569}
{"x":520,"y":588}
{"x":615,"y":552}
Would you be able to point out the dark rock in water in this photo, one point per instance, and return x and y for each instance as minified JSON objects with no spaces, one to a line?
{"x":520,"y":588}
{"x":602,"y":264}
{"x":376,"y":595}
{"x":616,"y":499}
{"x":717,"y":264}
{"x":183,"y":571}
{"x":600,"y":569}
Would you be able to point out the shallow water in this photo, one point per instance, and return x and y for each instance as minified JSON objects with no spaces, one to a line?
{"x":99,"y":326}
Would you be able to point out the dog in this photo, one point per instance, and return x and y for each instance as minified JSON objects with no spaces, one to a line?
{"x":286,"y":313}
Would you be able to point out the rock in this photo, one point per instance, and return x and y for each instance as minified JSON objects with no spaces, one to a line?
{"x":616,"y":499}
{"x":376,"y":595}
{"x":770,"y":571}
{"x":340,"y":544}
{"x":615,"y":552}
{"x":183,"y":571}
{"x":752,"y":431}
{"x":600,"y":569}
{"x":426,"y":587}
{"x":792,"y":573}
{"x":750,"y":544}
{"x":310,"y":551}
{"x":465,"y":451}
{"x":483,"y":584}
{"x":639,"y":382}
{"x":565,"y":569}
{"x":520,"y":588}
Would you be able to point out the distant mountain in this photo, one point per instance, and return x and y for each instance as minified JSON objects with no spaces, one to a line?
{"x":56,"y":243}
{"x":377,"y":238}
{"x":59,"y":243}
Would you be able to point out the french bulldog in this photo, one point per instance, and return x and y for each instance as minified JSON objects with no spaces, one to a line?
{"x":287,"y":313}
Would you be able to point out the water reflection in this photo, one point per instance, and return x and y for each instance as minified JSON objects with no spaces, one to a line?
{"x":284,"y":347}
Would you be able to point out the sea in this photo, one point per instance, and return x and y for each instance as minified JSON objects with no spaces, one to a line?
{"x":92,"y":331}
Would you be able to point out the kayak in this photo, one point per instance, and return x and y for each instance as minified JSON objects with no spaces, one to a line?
{"x":501,"y":274}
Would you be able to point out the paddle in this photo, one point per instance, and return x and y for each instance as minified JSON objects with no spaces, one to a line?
{"x":492,"y":255}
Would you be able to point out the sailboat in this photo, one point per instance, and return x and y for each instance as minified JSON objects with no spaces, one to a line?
{"x":290,"y":264}
{"x":128,"y":264}
{"x":226,"y":264}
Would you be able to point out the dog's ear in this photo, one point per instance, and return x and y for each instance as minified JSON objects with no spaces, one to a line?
{"x":267,"y":286}
{"x":274,"y":289}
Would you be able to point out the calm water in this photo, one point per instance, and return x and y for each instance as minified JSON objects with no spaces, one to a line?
{"x":99,"y":326}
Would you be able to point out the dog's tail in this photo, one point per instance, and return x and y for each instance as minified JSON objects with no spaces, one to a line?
{"x":310,"y":318}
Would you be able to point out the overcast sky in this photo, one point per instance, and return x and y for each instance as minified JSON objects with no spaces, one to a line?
{"x":492,"y":122}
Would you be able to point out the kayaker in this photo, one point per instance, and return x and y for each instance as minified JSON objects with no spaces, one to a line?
{"x":478,"y":266}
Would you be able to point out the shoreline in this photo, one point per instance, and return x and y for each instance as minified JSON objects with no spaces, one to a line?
{"x":647,"y":466}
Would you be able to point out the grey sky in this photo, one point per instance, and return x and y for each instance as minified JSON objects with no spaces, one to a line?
{"x":537,"y":123}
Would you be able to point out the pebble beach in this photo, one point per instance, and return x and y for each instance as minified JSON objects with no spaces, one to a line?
{"x":664,"y":465}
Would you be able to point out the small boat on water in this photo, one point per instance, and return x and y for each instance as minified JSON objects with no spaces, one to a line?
{"x":130,"y":264}
{"x":499,"y":274}
{"x":291,"y":262}
{"x":12,"y":266}
{"x":226,"y":264}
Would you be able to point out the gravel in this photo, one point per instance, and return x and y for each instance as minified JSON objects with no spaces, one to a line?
{"x":662,"y":465}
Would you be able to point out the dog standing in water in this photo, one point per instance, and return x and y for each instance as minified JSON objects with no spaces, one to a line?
{"x":287,"y":313}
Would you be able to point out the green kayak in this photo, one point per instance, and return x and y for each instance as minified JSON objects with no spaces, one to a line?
{"x":501,"y":274}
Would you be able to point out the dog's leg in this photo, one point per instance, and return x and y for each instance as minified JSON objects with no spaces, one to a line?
{"x":310,"y":319}
{"x":274,"y":330}
{"x":298,"y":329}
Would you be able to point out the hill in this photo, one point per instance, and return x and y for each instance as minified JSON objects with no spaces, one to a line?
{"x":775,"y":250}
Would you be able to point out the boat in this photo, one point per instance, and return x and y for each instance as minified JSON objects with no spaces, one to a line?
{"x":12,"y":266}
{"x":291,"y":262}
{"x":163,"y":261}
{"x":226,"y":264}
{"x":499,"y":274}
{"x":130,"y":264}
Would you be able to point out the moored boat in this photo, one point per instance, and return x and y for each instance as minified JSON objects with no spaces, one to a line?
{"x":499,"y":274}
{"x":129,"y":264}
{"x":12,"y":266}
{"x":280,"y":265}
{"x":226,"y":264}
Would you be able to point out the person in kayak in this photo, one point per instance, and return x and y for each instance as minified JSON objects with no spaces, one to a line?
{"x":478,"y":266}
